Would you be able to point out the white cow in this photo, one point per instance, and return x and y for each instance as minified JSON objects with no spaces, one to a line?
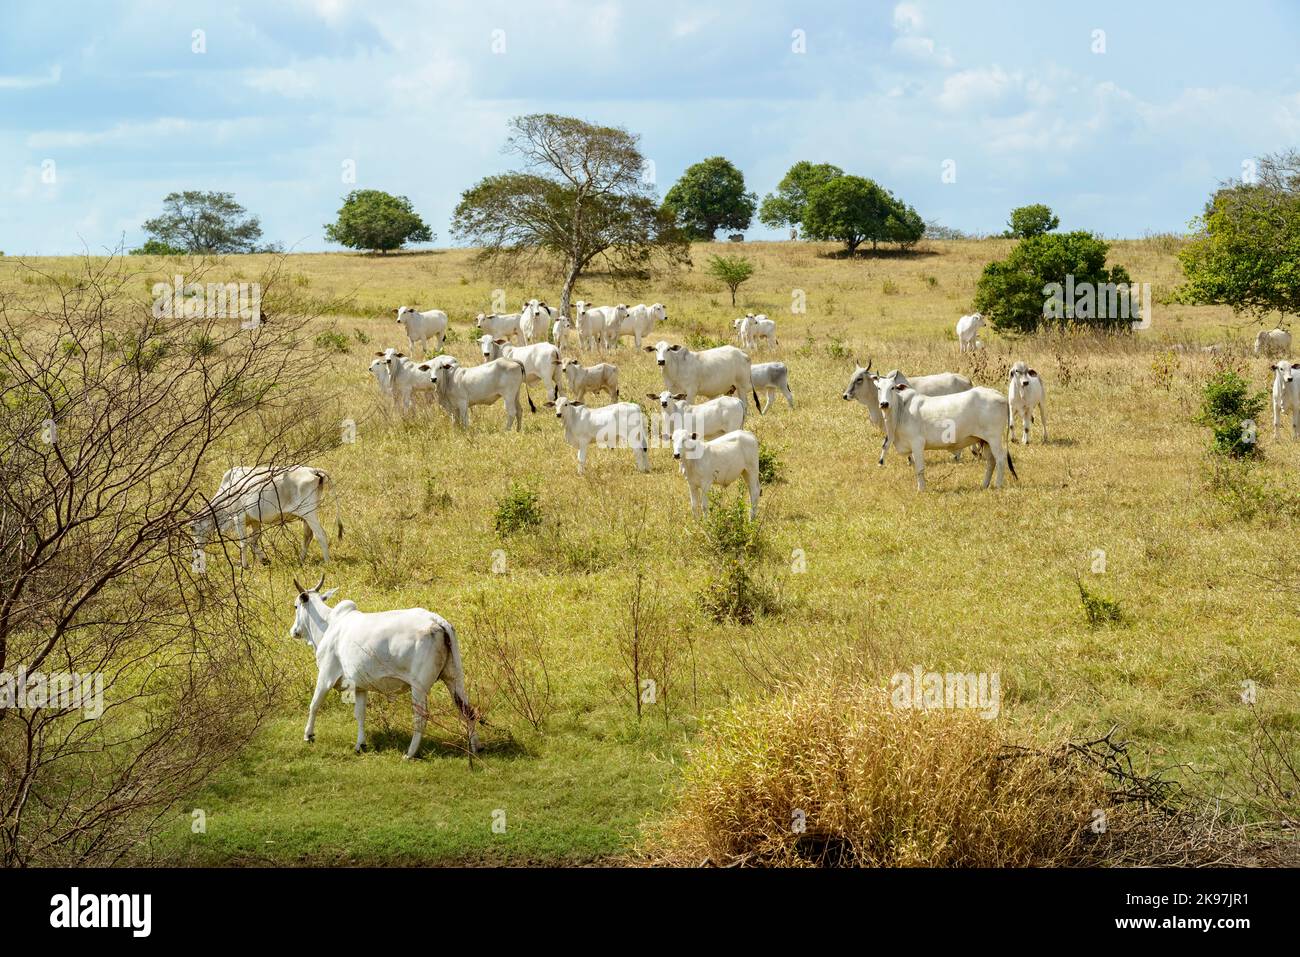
{"x":862,"y":387}
{"x":560,"y":331}
{"x":383,"y":651}
{"x":602,"y":377}
{"x":750,"y":328}
{"x":421,"y":326}
{"x":1286,"y":396}
{"x":379,"y":369}
{"x":1275,"y":342}
{"x":610,"y":320}
{"x":1025,"y":392}
{"x":590,"y":325}
{"x":620,"y":424}
{"x":250,"y":497}
{"x":769,"y":378}
{"x":717,"y":461}
{"x":708,"y":419}
{"x":535,"y":320}
{"x":916,"y":422}
{"x":499,"y":326}
{"x":640,"y":321}
{"x":458,"y":388}
{"x":404,"y":378}
{"x":968,"y":328}
{"x":541,"y":362}
{"x":708,"y":373}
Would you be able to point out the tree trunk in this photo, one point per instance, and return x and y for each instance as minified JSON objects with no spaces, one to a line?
{"x":733,"y":295}
{"x":569,"y":282}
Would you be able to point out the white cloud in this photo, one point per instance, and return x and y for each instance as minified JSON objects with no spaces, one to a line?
{"x":28,"y":82}
{"x":908,"y":22}
{"x":907,"y":18}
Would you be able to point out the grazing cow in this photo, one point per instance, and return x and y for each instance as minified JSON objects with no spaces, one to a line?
{"x":499,"y":326}
{"x":968,"y":328}
{"x":541,"y":362}
{"x":750,"y":328}
{"x":404,"y":378}
{"x":602,"y":377}
{"x":916,"y":422}
{"x":535,"y":320}
{"x":250,"y":497}
{"x":709,"y":373}
{"x":421,"y":326}
{"x":458,"y":388}
{"x":1275,"y":342}
{"x":1286,"y":396}
{"x":640,"y":322}
{"x":717,"y":461}
{"x":620,"y":424}
{"x":862,"y":387}
{"x":769,"y":378}
{"x":1025,"y":392}
{"x":708,"y":420}
{"x":382,"y":651}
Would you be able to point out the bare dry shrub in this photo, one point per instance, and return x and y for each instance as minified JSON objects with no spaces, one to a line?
{"x":111,"y":419}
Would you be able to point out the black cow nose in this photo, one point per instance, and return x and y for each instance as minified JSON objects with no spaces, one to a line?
{"x":884,"y":405}
{"x":661,"y":361}
{"x":677,"y":455}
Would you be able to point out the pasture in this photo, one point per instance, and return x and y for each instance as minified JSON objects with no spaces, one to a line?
{"x":866,"y":574}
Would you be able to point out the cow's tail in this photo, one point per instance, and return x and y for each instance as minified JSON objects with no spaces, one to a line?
{"x":1011,"y":466}
{"x":531,"y":407}
{"x":758,"y":405}
{"x":467,"y":710}
{"x":324,"y":480}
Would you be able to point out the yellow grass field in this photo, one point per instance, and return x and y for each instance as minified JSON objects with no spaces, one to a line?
{"x":868,"y":574}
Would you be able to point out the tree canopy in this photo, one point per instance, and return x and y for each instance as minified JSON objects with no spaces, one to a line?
{"x":785,"y":207}
{"x":204,"y":222}
{"x":373,"y":219}
{"x":1246,"y":250}
{"x":710,"y":196}
{"x":581,"y":199}
{"x":1032,"y":220}
{"x":854,"y":210}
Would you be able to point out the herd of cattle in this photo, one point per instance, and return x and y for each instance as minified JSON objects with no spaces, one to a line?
{"x":702,"y":411}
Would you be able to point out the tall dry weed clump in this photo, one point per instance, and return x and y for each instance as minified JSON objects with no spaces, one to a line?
{"x":834,"y":775}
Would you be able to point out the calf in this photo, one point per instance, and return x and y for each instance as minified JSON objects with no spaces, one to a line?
{"x":709,"y":373}
{"x":708,"y":420}
{"x":560,"y":331}
{"x":379,"y":369}
{"x":498,"y":326}
{"x":458,"y":388}
{"x":383,"y":651}
{"x":770,"y":378}
{"x":541,"y":362}
{"x":404,"y":378}
{"x":1286,"y":396}
{"x":420,"y":326}
{"x":250,"y":497}
{"x":862,"y":387}
{"x":968,"y":328}
{"x":602,"y":377}
{"x":1025,"y":392}
{"x":610,"y":426}
{"x":717,"y":461}
{"x":916,"y":422}
{"x":750,"y":328}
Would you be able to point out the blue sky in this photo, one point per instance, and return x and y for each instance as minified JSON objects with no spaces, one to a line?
{"x":104,"y":107}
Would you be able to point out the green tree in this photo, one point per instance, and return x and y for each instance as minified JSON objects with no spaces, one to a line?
{"x":731,"y":271}
{"x":1055,"y":277}
{"x":785,"y":207}
{"x":1231,"y":411}
{"x":204,"y":222}
{"x":1246,"y":251}
{"x":904,"y":225}
{"x":582,"y":200}
{"x":851,"y":210}
{"x":156,"y":247}
{"x":379,"y":221}
{"x":1032,"y":220}
{"x":710,"y":196}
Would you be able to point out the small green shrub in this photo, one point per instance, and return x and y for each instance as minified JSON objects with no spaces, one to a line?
{"x":333,"y":341}
{"x":890,"y":288}
{"x":1231,"y":412}
{"x":520,"y":508}
{"x":729,"y":533}
{"x":733,"y":594}
{"x":836,"y":349}
{"x":1098,"y":609}
{"x":770,"y":466}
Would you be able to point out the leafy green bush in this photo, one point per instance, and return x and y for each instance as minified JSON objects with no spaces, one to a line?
{"x":728,"y":531}
{"x":1033,"y":220}
{"x":1016,"y":294}
{"x":1098,"y":609}
{"x":770,"y":465}
{"x":520,"y":508}
{"x":157,"y":247}
{"x":733,"y":594}
{"x":1231,"y":412}
{"x":333,"y":341}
